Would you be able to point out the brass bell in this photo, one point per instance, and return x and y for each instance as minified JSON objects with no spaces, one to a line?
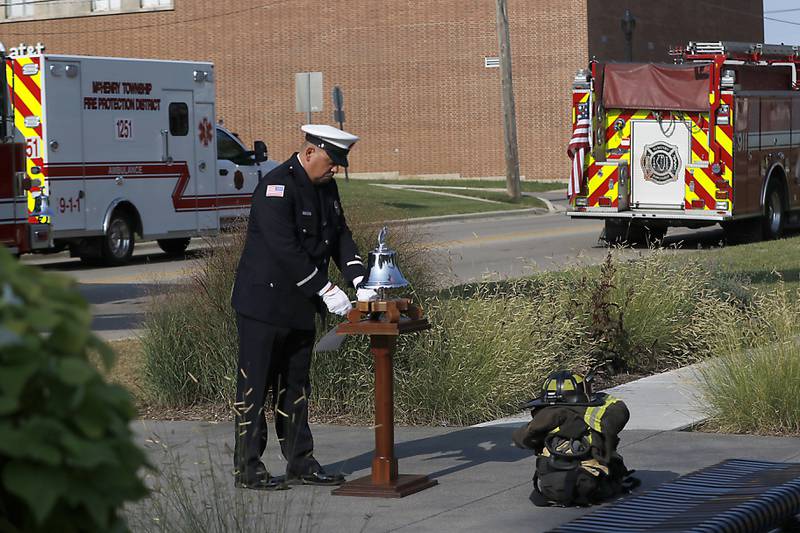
{"x":383,"y":271}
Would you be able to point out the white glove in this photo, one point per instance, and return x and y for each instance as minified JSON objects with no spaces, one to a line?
{"x":365,"y":295}
{"x":336,"y":300}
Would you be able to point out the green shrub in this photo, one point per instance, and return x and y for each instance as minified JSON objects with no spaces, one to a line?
{"x":754,"y":386}
{"x":654,"y":313}
{"x":483,"y":356}
{"x":190,"y":342}
{"x":490,"y":345}
{"x":67,"y":459}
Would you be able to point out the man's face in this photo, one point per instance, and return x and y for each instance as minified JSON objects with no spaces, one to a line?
{"x":318,"y":165}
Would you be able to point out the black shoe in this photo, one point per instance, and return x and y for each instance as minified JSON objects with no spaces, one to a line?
{"x":320,"y":477}
{"x":261,"y":482}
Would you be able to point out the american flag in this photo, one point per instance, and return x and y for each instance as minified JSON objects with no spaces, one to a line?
{"x":576,"y":150}
{"x":275,"y":191}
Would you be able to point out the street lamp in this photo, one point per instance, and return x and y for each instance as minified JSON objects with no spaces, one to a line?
{"x":628,"y":24}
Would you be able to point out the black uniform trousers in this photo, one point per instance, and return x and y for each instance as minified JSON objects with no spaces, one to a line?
{"x":278,"y":358}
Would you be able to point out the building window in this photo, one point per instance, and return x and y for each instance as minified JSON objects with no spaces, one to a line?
{"x":178,"y":119}
{"x":106,"y":5}
{"x":19,"y":8}
{"x":156,"y":3}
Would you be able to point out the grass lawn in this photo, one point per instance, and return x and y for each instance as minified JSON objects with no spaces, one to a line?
{"x":394,"y":204}
{"x":764,"y":263}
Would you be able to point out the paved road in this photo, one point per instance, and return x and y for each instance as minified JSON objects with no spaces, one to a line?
{"x":517,"y":245}
{"x":474,"y":249}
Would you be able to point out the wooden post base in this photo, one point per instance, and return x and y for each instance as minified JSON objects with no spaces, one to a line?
{"x":404,"y":485}
{"x":383,"y":321}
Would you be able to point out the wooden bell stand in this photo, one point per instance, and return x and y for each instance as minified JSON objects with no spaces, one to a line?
{"x":383,"y":321}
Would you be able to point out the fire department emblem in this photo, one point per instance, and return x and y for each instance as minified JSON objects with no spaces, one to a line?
{"x":661,"y":162}
{"x":206,"y":131}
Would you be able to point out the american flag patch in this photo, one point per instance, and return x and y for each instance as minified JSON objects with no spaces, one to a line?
{"x":275,"y":191}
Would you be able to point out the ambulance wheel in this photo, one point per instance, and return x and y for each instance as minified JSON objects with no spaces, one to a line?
{"x":174,"y":246}
{"x":117,"y":244}
{"x":774,"y":218}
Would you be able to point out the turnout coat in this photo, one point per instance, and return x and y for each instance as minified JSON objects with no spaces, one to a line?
{"x":295,"y":229}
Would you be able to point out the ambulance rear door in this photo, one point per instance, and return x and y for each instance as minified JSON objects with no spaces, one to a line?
{"x":61,"y":150}
{"x":179,"y":144}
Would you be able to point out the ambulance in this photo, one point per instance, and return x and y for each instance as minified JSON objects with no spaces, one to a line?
{"x":96,"y":152}
{"x":712,"y":139}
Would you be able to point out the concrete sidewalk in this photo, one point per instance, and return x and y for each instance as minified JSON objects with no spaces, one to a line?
{"x":662,"y":402}
{"x":484,"y":481}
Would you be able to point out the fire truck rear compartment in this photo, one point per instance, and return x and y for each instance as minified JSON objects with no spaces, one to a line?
{"x":660,"y":151}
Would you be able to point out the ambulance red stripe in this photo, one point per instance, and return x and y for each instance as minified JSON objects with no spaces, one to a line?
{"x":150,"y":170}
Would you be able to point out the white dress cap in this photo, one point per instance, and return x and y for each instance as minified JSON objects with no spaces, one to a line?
{"x":335,"y":136}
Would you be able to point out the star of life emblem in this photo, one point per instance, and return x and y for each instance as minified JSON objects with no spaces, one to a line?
{"x":661,"y":162}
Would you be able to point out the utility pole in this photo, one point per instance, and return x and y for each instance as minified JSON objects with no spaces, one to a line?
{"x":509,"y":114}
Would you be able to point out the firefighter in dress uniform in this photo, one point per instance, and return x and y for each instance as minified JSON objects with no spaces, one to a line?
{"x":296,"y":227}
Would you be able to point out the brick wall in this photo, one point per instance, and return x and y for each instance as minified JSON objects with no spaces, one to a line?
{"x":660,"y":25}
{"x":412,"y":71}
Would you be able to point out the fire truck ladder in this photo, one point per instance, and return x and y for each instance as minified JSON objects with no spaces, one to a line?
{"x":748,"y":52}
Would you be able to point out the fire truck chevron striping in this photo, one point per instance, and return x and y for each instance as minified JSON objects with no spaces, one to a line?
{"x":26,"y":100}
{"x":712,"y":139}
{"x":97,"y":150}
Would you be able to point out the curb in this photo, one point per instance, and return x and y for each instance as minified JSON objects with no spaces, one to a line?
{"x":465,"y":216}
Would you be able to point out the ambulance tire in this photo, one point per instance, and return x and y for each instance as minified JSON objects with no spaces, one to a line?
{"x":116,"y":247}
{"x":174,"y":246}
{"x":774,"y":212}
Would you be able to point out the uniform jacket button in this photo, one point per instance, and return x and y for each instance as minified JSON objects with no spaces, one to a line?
{"x":271,"y":285}
{"x":326,"y":241}
{"x":304,"y":230}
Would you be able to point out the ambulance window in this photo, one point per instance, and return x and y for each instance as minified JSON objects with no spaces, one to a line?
{"x":230,"y":149}
{"x":178,"y":119}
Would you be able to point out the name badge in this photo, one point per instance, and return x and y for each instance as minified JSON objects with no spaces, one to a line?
{"x":306,"y":213}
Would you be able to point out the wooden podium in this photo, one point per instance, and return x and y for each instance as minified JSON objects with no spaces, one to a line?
{"x":383,"y":321}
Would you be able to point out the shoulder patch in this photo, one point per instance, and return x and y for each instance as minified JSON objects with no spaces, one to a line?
{"x":275,"y":191}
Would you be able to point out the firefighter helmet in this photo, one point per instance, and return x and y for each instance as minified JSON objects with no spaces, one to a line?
{"x":564,"y":387}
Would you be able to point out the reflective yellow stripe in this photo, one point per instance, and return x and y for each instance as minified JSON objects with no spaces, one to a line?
{"x":594,"y":415}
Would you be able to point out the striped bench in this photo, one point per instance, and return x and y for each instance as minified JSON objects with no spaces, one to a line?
{"x":735,"y":496}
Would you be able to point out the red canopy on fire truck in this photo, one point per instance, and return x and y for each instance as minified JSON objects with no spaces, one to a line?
{"x":656,"y":86}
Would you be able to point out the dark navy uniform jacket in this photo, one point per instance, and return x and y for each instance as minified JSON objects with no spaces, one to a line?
{"x":295,"y":228}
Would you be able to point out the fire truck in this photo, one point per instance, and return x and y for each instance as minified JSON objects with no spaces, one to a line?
{"x":711,"y":139}
{"x":95,"y":150}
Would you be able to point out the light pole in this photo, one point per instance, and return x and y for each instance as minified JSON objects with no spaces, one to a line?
{"x":628,"y":24}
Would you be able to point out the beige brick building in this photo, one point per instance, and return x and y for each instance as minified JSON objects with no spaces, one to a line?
{"x":414,"y":75}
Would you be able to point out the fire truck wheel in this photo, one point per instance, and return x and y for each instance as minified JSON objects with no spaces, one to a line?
{"x":773,"y":213}
{"x":117,"y":245}
{"x":615,"y":231}
{"x":174,"y":246}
